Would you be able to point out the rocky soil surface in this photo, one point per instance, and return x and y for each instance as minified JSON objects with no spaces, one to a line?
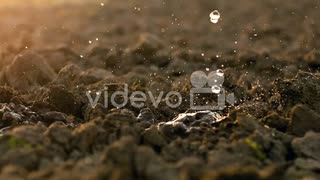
{"x":53,"y":56}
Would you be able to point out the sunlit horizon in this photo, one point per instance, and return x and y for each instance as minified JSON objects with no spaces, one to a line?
{"x":6,"y":3}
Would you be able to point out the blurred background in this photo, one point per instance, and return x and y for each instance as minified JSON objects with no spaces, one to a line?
{"x":263,"y":26}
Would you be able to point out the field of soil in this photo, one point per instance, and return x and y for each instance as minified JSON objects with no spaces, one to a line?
{"x":55,"y":55}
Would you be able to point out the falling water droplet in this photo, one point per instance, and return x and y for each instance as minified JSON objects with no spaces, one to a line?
{"x":214,"y":16}
{"x":220,"y":72}
{"x":216,"y":89}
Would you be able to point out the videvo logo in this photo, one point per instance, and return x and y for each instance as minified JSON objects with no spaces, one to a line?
{"x":202,"y":84}
{"x":209,"y":84}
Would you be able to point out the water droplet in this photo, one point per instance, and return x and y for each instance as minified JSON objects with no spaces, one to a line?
{"x":216,"y":89}
{"x":220,"y":72}
{"x":90,"y":42}
{"x":214,"y":16}
{"x":102,"y":4}
{"x":207,"y":69}
{"x":202,"y":54}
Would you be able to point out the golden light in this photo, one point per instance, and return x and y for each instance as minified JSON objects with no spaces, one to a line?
{"x":11,"y":3}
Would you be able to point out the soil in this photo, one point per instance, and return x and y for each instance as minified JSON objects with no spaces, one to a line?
{"x":54,"y":55}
